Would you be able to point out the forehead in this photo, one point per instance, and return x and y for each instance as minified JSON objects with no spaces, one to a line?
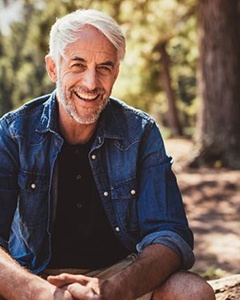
{"x":91,"y":44}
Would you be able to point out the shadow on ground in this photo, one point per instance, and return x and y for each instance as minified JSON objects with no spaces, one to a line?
{"x":212,"y":202}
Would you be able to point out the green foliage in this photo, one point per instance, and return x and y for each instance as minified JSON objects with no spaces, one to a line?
{"x":162,"y":21}
{"x":146,"y":24}
{"x":213,"y":273}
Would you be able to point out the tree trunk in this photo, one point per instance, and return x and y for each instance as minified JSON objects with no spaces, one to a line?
{"x":173,"y":120}
{"x":218,"y":128}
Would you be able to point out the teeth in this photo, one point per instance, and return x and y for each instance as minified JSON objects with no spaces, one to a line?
{"x":86,"y":96}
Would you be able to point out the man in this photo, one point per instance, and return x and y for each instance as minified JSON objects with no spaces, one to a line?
{"x":86,"y":189}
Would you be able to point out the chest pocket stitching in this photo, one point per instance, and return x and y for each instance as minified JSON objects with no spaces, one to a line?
{"x":33,"y":182}
{"x":126,"y":189}
{"x":122,"y":147}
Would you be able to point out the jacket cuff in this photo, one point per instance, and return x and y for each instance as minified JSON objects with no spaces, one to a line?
{"x":172,"y":240}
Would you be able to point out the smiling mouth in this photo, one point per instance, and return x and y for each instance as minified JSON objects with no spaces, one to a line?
{"x":86,"y":96}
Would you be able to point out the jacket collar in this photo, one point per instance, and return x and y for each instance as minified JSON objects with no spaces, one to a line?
{"x":49,"y":117}
{"x":109,"y":125}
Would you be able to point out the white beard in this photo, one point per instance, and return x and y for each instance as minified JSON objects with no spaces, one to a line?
{"x":89,"y":116}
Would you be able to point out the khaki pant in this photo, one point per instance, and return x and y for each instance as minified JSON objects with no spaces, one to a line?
{"x":104,"y":273}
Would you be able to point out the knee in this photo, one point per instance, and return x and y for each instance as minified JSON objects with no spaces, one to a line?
{"x":199,"y":288}
{"x":184,"y":286}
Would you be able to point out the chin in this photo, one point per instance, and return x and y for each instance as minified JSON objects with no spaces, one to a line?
{"x":86,"y":119}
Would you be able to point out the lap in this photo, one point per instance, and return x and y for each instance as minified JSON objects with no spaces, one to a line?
{"x":181,"y":285}
{"x":103,"y":273}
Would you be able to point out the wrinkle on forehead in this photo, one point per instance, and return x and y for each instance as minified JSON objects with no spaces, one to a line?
{"x":91,"y":41}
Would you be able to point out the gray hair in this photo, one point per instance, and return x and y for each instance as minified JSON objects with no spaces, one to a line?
{"x":66,"y":30}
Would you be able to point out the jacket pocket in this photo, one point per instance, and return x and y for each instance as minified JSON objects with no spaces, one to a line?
{"x":124,"y":196}
{"x":33,"y":198}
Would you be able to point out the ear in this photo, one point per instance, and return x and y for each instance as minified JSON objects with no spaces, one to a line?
{"x":51,"y":68}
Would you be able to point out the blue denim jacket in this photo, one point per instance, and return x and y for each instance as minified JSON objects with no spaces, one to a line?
{"x":132,"y":172}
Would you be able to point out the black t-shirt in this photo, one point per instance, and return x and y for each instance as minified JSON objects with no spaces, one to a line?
{"x":82,"y":236}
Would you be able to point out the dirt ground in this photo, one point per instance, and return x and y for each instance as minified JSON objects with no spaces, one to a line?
{"x":212,"y":202}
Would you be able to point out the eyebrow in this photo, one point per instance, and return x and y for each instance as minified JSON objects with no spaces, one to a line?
{"x":106,"y":63}
{"x":78,"y":58}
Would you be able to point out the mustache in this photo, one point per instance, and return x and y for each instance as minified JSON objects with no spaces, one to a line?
{"x":82,"y":89}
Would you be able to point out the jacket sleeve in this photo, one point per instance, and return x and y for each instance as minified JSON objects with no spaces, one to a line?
{"x":8,"y":181}
{"x":161,"y":211}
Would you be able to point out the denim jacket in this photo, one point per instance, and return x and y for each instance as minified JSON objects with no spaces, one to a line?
{"x":132,"y":172}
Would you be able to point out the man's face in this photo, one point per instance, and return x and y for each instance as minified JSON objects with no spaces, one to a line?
{"x":86,"y":75}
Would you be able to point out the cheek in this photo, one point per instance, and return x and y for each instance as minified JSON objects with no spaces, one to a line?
{"x":68,"y":81}
{"x":67,"y":75}
{"x":108,"y":84}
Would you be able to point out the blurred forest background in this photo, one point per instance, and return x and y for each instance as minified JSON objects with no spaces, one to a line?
{"x":183,"y":67}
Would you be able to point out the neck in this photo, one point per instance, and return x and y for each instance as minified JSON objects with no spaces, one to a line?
{"x":78,"y":134}
{"x":74,"y":132}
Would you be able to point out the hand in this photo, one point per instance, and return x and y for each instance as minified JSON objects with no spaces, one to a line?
{"x":61,"y":294}
{"x":56,"y":294}
{"x":80,"y":286}
{"x":42,"y":290}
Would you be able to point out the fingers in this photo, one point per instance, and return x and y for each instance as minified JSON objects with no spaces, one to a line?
{"x":79,"y":286}
{"x":65,"y":279}
{"x":62,"y":294}
{"x":79,"y":291}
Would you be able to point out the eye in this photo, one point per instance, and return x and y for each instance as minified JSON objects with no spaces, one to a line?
{"x":78,"y":67}
{"x":104,"y":70}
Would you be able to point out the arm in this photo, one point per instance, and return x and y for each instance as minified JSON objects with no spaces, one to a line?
{"x":150,"y":270}
{"x":16,"y":283}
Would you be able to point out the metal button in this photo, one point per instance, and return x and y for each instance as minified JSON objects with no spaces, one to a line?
{"x":93,"y":156}
{"x":33,"y":186}
{"x":105,"y":194}
{"x":133,"y":192}
{"x":117,"y":229}
{"x":78,"y":177}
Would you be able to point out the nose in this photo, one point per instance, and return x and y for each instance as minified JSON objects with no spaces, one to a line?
{"x":90,"y":79}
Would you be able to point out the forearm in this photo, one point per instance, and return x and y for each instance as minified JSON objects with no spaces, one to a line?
{"x":16,"y":283}
{"x":150,"y":270}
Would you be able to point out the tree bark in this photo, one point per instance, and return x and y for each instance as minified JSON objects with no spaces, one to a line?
{"x":218,"y":127}
{"x":172,"y":116}
{"x":226,"y":288}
